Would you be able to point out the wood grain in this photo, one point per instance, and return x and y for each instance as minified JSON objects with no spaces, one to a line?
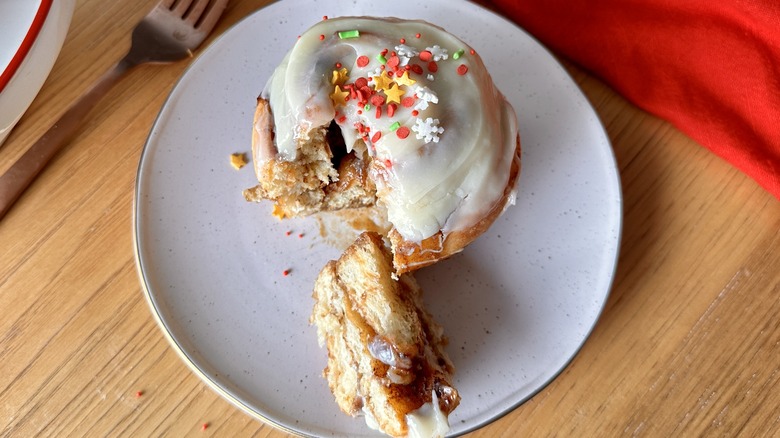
{"x":688,"y":345}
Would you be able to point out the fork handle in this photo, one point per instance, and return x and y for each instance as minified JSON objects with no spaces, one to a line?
{"x":19,"y":176}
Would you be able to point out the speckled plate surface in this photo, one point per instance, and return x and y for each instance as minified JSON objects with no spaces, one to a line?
{"x":517,"y":304}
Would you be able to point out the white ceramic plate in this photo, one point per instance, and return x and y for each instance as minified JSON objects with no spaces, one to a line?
{"x":517,"y":304}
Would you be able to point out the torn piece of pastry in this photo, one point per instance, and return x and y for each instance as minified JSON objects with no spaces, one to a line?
{"x":386,"y":357}
{"x":365,"y":110}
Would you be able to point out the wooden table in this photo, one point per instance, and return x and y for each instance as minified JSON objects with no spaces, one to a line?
{"x":688,"y":345}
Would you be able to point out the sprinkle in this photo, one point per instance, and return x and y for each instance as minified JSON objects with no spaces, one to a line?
{"x":433,"y":67}
{"x":362,"y":61}
{"x":381,"y":58}
{"x":417,"y":35}
{"x":238,"y":160}
{"x":415,"y":113}
{"x":300,"y":236}
{"x":204,"y":426}
{"x":286,"y":272}
{"x":402,"y":132}
{"x":347,"y":34}
{"x":322,"y":37}
{"x":377,"y":100}
{"x":394,"y":94}
{"x":342,"y":119}
{"x":338,"y":65}
{"x":388,"y":163}
{"x":463,"y":69}
{"x":367,"y":107}
{"x":138,"y":394}
{"x":395,"y":126}
{"x":382,"y":82}
{"x":425,"y":96}
{"x":402,"y":40}
{"x":430,"y":77}
{"x":417,"y":69}
{"x":393,"y":62}
{"x":457,"y":54}
{"x":407,"y":101}
{"x":425,"y":55}
{"x":339,"y":77}
{"x":472,"y":51}
{"x":324,"y":17}
{"x":427,"y":130}
{"x":339,"y":97}
{"x":288,"y":232}
{"x":404,"y":79}
{"x":378,"y":112}
{"x":361,"y":82}
{"x":437,"y":52}
{"x":391,"y":109}
{"x":376,"y":137}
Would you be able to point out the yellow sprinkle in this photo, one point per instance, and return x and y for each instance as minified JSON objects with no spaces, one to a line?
{"x":340,"y":77}
{"x":405,"y":79}
{"x":339,"y":97}
{"x":382,"y":82}
{"x":238,"y":160}
{"x":394,"y":94}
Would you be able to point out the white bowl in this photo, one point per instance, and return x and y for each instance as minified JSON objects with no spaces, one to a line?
{"x":31,"y":36}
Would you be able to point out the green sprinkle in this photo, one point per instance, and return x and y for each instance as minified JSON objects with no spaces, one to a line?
{"x":381,"y":58}
{"x":367,"y":107}
{"x":457,"y":54}
{"x":345,"y":34}
{"x":395,"y":126}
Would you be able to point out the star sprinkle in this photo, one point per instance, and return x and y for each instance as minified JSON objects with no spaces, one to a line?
{"x":437,"y":52}
{"x":394,"y":94}
{"x":382,"y":82}
{"x":339,"y":97}
{"x":424,"y":97}
{"x":404,"y":79}
{"x":340,"y":77}
{"x":427,"y":130}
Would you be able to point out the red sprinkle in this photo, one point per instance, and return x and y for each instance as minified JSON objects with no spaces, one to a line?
{"x":388,"y":163}
{"x":426,"y":55}
{"x":391,"y":109}
{"x":322,"y":37}
{"x":362,"y":61}
{"x":338,"y":65}
{"x":402,"y":132}
{"x":361,"y":82}
{"x":390,"y":74}
{"x":393,"y":62}
{"x":204,"y":426}
{"x":462,"y":69}
{"x":407,"y":102}
{"x":415,"y":113}
{"x":472,"y":51}
{"x":288,"y":233}
{"x":417,"y":35}
{"x":376,"y":137}
{"x":138,"y":394}
{"x":402,"y":40}
{"x":342,"y":119}
{"x":384,"y":52}
{"x":324,"y":17}
{"x":433,"y":67}
{"x":417,"y":69}
{"x":378,"y":112}
{"x":377,"y":100}
{"x":407,"y":67}
{"x":300,"y":236}
{"x":286,"y":272}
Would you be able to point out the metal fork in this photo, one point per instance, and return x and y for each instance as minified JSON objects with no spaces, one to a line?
{"x":168,"y":33}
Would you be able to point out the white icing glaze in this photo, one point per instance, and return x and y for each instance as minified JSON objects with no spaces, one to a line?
{"x":448,"y":182}
{"x":428,"y":421}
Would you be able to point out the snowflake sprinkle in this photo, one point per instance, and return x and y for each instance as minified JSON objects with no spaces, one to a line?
{"x":438,"y":53}
{"x":407,"y":51}
{"x":427,"y":130}
{"x":424,"y":96}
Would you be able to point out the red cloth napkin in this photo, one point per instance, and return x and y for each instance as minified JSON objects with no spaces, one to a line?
{"x":711,"y":68}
